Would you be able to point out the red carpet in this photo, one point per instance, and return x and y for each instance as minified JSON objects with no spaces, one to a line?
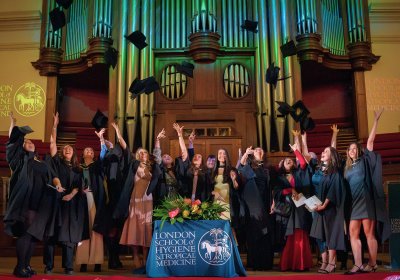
{"x":291,"y":276}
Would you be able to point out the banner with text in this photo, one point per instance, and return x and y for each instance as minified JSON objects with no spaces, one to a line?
{"x":194,"y":248}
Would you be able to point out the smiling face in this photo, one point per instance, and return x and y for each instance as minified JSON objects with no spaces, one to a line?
{"x":211,"y":162}
{"x":29,"y":146}
{"x":326,"y":155}
{"x":352,"y":151}
{"x":166,"y":160}
{"x":258,"y":154}
{"x":142,"y":155}
{"x":221,"y":156}
{"x":288,"y":163}
{"x":67,"y":152}
{"x":197,"y":160}
{"x":88,"y":153}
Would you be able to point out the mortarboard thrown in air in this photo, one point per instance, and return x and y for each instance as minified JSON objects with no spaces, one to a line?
{"x":250,"y":26}
{"x":138,"y":39}
{"x":185,"y":68}
{"x":64,"y":3}
{"x":272,"y":75}
{"x":288,"y":49}
{"x":57,"y":18}
{"x":307,"y":124}
{"x":111,"y":57}
{"x":299,"y":111}
{"x":99,"y":120}
{"x":146,"y":86}
{"x":284,"y":108}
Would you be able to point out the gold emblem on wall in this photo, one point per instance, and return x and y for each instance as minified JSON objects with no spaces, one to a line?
{"x":29,"y":99}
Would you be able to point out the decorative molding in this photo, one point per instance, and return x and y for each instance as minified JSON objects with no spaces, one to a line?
{"x":385,"y":12}
{"x":20,"y":20}
{"x":395,"y":39}
{"x":19,"y":46}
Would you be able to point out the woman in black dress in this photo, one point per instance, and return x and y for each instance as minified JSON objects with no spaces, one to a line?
{"x":70,"y":214}
{"x":328,"y":220}
{"x":29,"y":211}
{"x":257,"y":199}
{"x":363,"y":173}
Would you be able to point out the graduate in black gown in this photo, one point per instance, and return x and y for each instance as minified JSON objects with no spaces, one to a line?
{"x":328,"y":225}
{"x":172,"y":172}
{"x":257,"y":199}
{"x":363,"y":173}
{"x":70,"y":213}
{"x":288,"y":185}
{"x":115,"y":164}
{"x":90,"y":250}
{"x":29,"y":216}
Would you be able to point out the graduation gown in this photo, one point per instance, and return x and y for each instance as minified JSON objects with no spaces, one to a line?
{"x":96,"y":184}
{"x":121,"y":210}
{"x":259,"y":230}
{"x":28,"y":192}
{"x":72,"y":213}
{"x":329,"y":224}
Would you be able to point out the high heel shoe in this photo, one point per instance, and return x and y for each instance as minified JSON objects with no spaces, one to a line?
{"x":326,"y":271}
{"x":323,"y":270}
{"x":351,"y":272}
{"x":369,"y":268}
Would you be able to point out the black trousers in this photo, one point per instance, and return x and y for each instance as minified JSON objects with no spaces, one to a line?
{"x":67,"y":255}
{"x":25,"y":245}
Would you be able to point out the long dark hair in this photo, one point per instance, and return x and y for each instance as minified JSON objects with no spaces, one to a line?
{"x":334,"y":164}
{"x":74,"y":159}
{"x":349,"y":161}
{"x":227,"y":167}
{"x":193,"y":167}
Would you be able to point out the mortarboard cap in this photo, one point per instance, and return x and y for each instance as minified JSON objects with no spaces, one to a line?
{"x":272,"y":74}
{"x":289,"y":49}
{"x":57,"y":18}
{"x":307,"y":124}
{"x":284,"y":108}
{"x":64,"y":3}
{"x":250,"y":26}
{"x":111,"y":57}
{"x":138,"y":39}
{"x":299,"y":111}
{"x":25,"y":129}
{"x":186,"y":68}
{"x":99,"y":120}
{"x":146,"y":86}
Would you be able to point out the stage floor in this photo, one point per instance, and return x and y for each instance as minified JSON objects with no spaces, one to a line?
{"x":7,"y":265}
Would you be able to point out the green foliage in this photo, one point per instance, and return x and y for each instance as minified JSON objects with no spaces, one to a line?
{"x":179,"y":209}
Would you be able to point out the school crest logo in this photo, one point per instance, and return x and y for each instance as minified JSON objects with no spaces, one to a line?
{"x":215,"y":247}
{"x":29,"y":99}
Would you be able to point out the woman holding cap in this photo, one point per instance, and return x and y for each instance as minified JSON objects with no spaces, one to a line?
{"x":257,"y":199}
{"x":72,"y":205}
{"x":90,"y":250}
{"x":29,"y":210}
{"x":363,"y":172}
{"x":135,"y":205}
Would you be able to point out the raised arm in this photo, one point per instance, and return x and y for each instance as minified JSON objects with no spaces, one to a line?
{"x":103,"y":147}
{"x":191,"y":138}
{"x":13,"y":122}
{"x":299,"y":156}
{"x":335,"y":132}
{"x":249,"y":151}
{"x":296,"y":134}
{"x":119,"y":136}
{"x":371,"y":137}
{"x":304,"y":144}
{"x":179,"y":130}
{"x":53,"y":136}
{"x":157,"y":147}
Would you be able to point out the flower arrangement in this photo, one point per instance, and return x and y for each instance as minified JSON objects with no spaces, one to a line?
{"x":178,"y":209}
